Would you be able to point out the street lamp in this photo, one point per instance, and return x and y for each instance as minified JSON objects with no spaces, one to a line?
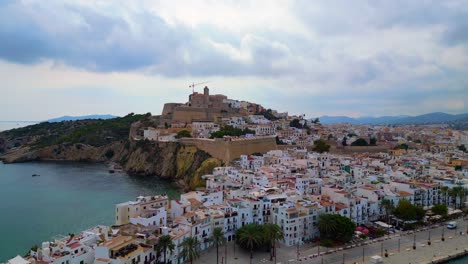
{"x":362,"y":254}
{"x":443,"y":230}
{"x":414,"y":241}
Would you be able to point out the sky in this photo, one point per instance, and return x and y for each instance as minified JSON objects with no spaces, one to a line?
{"x":354,"y":58}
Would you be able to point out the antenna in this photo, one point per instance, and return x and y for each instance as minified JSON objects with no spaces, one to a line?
{"x":195,"y":84}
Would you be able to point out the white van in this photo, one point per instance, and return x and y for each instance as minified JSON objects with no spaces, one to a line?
{"x":452,"y":225}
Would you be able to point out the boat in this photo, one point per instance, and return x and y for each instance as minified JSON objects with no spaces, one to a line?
{"x":35,"y":175}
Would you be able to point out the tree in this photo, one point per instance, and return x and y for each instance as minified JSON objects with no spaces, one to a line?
{"x":360,"y":142}
{"x":402,"y":146}
{"x":406,"y":211}
{"x":462,"y":148}
{"x":231,"y":131}
{"x":344,"y":141}
{"x":250,"y":237}
{"x":183,"y":133}
{"x":440,"y":209}
{"x":316,"y":121}
{"x":190,"y":248}
{"x":295,"y":123}
{"x":444,"y":190}
{"x":373,"y":141}
{"x":268,"y":114}
{"x":279,"y":141}
{"x":218,"y":239}
{"x":459,"y":194}
{"x":321,"y":146}
{"x":336,"y":227}
{"x":109,"y":153}
{"x":388,"y":206}
{"x":272,"y":233}
{"x":164,"y":244}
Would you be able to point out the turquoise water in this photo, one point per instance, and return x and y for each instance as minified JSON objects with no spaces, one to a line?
{"x":462,"y":260}
{"x":65,"y":198}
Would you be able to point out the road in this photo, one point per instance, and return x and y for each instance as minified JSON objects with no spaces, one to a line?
{"x":399,"y":248}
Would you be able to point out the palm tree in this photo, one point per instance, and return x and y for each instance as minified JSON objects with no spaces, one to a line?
{"x":218,"y":239}
{"x":272,"y":233}
{"x":165,"y":243}
{"x":190,"y":248}
{"x":444,"y":190}
{"x":250,"y":237}
{"x":327,"y":225}
{"x":388,"y":206}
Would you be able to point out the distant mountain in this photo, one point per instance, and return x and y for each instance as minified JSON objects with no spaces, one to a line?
{"x":432,"y":118}
{"x":74,"y":118}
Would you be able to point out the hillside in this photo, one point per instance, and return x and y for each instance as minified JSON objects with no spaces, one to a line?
{"x":94,"y":132}
{"x":74,"y":118}
{"x":107,"y":141}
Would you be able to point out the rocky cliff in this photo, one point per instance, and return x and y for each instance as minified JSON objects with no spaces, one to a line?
{"x":168,"y":160}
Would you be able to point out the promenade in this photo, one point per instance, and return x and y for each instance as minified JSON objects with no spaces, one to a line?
{"x":399,"y":248}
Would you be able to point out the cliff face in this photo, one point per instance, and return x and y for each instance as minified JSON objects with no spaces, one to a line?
{"x":168,"y":160}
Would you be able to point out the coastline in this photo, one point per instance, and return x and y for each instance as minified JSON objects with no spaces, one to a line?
{"x":449,"y":258}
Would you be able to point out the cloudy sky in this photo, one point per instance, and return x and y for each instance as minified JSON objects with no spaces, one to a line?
{"x":355,"y":58}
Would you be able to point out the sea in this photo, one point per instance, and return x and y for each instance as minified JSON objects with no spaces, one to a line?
{"x":462,"y":260}
{"x":67,"y":197}
{"x":7,"y":125}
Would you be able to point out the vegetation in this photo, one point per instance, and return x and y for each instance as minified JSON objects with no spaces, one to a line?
{"x":388,"y":207}
{"x":231,"y":131}
{"x":109,"y":153}
{"x":253,"y":237}
{"x":268,"y":114}
{"x":190,"y":249}
{"x":218,"y":239}
{"x":297,"y":124}
{"x":164,"y":244}
{"x":440,"y":209}
{"x":321,"y":146}
{"x":344,"y":142}
{"x":360,"y":142}
{"x":279,"y":141}
{"x":250,"y":237}
{"x":95,"y":132}
{"x":272,"y":233}
{"x":183,"y":134}
{"x":336,"y":227}
{"x":406,"y":211}
{"x":373,"y":141}
{"x":462,"y":148}
{"x":458,"y":193}
{"x":402,"y":146}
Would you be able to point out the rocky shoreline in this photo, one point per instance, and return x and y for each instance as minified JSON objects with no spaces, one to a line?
{"x":168,"y":160}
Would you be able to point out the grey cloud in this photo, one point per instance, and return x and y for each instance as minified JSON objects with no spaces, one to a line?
{"x":105,"y":43}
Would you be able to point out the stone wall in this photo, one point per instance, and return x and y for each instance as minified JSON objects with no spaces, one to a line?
{"x":228,"y":150}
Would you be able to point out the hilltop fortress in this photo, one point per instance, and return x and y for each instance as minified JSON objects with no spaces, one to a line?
{"x":206,"y":107}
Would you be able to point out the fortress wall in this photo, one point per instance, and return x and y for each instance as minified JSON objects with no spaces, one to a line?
{"x":230,"y":150}
{"x":187,"y":114}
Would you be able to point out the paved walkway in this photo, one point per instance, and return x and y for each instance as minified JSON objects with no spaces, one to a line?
{"x":399,"y":248}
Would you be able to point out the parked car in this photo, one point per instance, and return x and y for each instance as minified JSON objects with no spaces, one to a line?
{"x":452,"y":225}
